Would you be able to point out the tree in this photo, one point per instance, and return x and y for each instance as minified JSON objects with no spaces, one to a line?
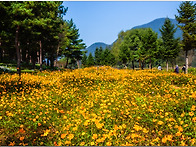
{"x":84,"y":60}
{"x":150,"y":45}
{"x":97,"y":56}
{"x":170,"y":48}
{"x":73,"y":45}
{"x":187,"y":23}
{"x":90,"y":60}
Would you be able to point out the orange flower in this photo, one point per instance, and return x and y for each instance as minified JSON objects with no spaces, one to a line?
{"x":21,"y":138}
{"x":180,"y":128}
{"x":164,"y":139}
{"x":194,"y":119}
{"x":160,"y":123}
{"x":178,"y":134}
{"x":82,"y":143}
{"x":191,"y":113}
{"x":63,"y":136}
{"x":94,"y":136}
{"x":70,"y":136}
{"x":108,"y":143}
{"x":193,"y":108}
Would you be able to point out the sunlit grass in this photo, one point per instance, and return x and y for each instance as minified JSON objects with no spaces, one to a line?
{"x":98,"y":106}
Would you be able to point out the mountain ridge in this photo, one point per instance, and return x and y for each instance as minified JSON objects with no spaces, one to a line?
{"x":155,"y":24}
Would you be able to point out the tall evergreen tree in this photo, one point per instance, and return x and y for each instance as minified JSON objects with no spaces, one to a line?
{"x":150,"y":45}
{"x":90,"y":60}
{"x":84,"y":60}
{"x":97,"y":56}
{"x":73,"y":45}
{"x":170,"y":48}
{"x":187,"y":23}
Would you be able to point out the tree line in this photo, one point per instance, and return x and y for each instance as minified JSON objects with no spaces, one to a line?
{"x":142,"y":46}
{"x":102,"y":57}
{"x":31,"y":31}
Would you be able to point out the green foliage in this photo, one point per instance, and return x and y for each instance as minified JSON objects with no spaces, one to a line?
{"x":90,"y":60}
{"x":84,"y":60}
{"x":187,"y":23}
{"x":170,"y":49}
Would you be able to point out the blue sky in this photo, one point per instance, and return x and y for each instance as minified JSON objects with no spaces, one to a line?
{"x":101,"y":21}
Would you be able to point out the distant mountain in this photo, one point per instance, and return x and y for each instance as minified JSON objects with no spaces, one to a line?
{"x":157,"y":24}
{"x":91,"y":49}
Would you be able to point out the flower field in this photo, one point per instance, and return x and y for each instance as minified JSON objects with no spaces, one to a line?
{"x":99,"y":106}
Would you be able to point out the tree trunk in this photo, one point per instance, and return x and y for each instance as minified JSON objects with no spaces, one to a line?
{"x":186,"y":62}
{"x":1,"y":52}
{"x":78,"y":63}
{"x":133,"y":64}
{"x":150,"y":64}
{"x":140,"y":64}
{"x":66,"y":63}
{"x":52,"y":61}
{"x":167,"y":65}
{"x":18,"y":51}
{"x":40,"y":55}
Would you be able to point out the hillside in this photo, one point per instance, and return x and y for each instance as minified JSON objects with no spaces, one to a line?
{"x":92,"y":48}
{"x":157,"y":24}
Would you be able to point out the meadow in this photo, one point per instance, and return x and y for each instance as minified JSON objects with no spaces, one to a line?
{"x":99,"y":106}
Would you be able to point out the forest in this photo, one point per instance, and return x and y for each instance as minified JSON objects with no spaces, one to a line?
{"x":34,"y":34}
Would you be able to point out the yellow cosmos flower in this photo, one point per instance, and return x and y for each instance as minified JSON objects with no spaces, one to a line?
{"x":159,"y":122}
{"x":92,"y":143}
{"x":180,"y":128}
{"x":164,"y":140}
{"x":67,"y":142}
{"x":108,"y":143}
{"x":178,"y":134}
{"x":193,"y":108}
{"x":82,"y":143}
{"x":63,"y":136}
{"x":191,"y":113}
{"x":94,"y":136}
{"x":70,"y":136}
{"x":194,"y":119}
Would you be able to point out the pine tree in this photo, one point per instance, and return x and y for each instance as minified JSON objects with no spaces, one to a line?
{"x":84,"y":60}
{"x":187,"y":23}
{"x":90,"y":60}
{"x":170,"y":48}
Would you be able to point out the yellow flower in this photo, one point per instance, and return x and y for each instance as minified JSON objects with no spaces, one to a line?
{"x":164,"y":139}
{"x":108,"y":143}
{"x":182,"y":143}
{"x":70,"y":136}
{"x":182,"y":115}
{"x":145,"y":130}
{"x":75,"y":128}
{"x":67,"y":142}
{"x":99,"y":125}
{"x":193,"y":108}
{"x":82,"y":143}
{"x":160,"y":123}
{"x":94,"y":136}
{"x":63,"y":136}
{"x":180,"y":128}
{"x":178,"y":134}
{"x":92,"y":143}
{"x":194,"y":119}
{"x":191,"y":113}
{"x":83,"y":133}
